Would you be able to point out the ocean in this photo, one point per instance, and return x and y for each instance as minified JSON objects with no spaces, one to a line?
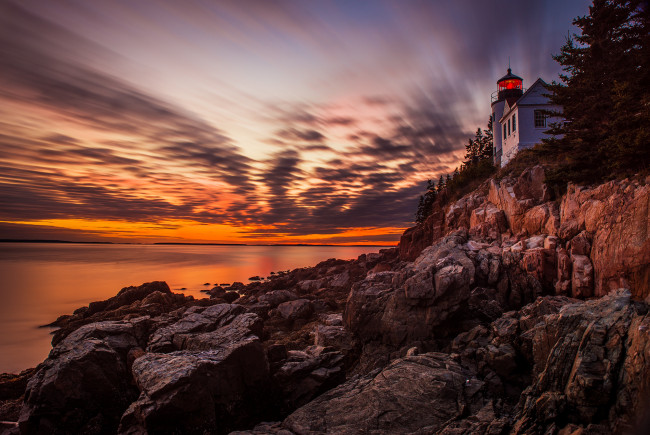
{"x":41,"y":281}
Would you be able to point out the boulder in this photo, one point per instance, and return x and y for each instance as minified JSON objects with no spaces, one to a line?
{"x":310,"y":285}
{"x":306,"y":374}
{"x":542,"y":218}
{"x":213,"y":391}
{"x":230,"y":297}
{"x":149,"y":299}
{"x":397,"y":309}
{"x":242,"y":328}
{"x":195,"y":320}
{"x":276,"y":297}
{"x":298,"y":309}
{"x":459,"y":213}
{"x":578,"y":353}
{"x":487,"y":222}
{"x":341,"y":279}
{"x":419,"y":393}
{"x":127,"y":296}
{"x":516,"y":197}
{"x":84,"y":385}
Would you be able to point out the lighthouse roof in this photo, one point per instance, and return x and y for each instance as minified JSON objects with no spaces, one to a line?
{"x":509,"y":76}
{"x":527,"y":99}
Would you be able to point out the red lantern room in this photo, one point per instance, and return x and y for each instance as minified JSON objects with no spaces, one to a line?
{"x":510,"y":86}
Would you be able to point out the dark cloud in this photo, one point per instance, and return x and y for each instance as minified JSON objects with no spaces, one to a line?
{"x":315,"y":147}
{"x":377,"y":100}
{"x":340,"y":120}
{"x":301,"y":135}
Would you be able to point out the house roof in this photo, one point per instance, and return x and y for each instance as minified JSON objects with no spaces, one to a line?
{"x":509,"y":107}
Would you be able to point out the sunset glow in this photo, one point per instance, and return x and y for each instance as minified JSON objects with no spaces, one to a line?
{"x":247,"y":122}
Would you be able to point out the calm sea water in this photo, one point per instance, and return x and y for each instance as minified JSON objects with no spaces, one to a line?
{"x":41,"y":281}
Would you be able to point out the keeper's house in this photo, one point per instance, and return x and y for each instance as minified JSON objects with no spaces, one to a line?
{"x":518,"y":119}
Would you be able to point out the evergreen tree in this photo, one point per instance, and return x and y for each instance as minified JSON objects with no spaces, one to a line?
{"x":473,"y":148}
{"x":603,"y":93}
{"x":487,"y":145}
{"x":425,"y":204}
{"x":480,"y":147}
{"x":441,"y":184}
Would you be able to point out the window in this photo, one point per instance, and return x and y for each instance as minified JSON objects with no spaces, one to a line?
{"x":504,"y":131}
{"x":508,"y":127}
{"x":514,"y":122}
{"x":540,"y":119}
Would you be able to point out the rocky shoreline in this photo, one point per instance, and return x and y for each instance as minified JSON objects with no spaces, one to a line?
{"x":505,"y":312}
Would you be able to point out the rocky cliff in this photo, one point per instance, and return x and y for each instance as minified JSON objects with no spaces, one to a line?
{"x":505,"y":312}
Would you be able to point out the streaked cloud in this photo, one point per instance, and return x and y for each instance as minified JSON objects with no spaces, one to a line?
{"x":264,"y":121}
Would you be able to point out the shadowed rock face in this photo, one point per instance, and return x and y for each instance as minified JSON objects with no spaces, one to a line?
{"x":500,"y":314}
{"x":84,"y":385}
{"x":216,"y":390}
{"x":420,"y":392}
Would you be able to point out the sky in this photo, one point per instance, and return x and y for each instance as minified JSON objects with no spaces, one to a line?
{"x":249,"y":121}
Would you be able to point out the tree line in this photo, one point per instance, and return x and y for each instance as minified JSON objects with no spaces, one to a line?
{"x":476,"y":166}
{"x":604,"y":93}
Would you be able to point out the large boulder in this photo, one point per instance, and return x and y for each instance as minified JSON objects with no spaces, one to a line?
{"x":516,"y":197}
{"x":298,"y":309}
{"x":84,"y":385}
{"x":148,"y":299}
{"x":215,"y":377}
{"x":398,"y":308}
{"x":419,"y":393}
{"x":459,"y":213}
{"x":276,"y":297}
{"x":212,"y":391}
{"x":305,"y":374}
{"x":179,"y":333}
{"x":128,"y":295}
{"x":587,"y":365}
{"x":542,"y":218}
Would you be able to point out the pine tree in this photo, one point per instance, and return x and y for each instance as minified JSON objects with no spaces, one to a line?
{"x":480,"y":146}
{"x":425,"y":204}
{"x":441,"y":184}
{"x":603,"y":92}
{"x":487,"y":145}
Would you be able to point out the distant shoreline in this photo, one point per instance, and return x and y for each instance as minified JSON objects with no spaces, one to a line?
{"x":186,"y":243}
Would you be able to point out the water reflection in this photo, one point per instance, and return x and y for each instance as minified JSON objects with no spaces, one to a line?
{"x":42,"y":281}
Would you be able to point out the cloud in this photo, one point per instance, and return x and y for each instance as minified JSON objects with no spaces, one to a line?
{"x":361,"y":102}
{"x":301,"y":135}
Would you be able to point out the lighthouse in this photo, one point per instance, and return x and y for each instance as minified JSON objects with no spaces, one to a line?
{"x":519,"y":116}
{"x":509,"y":89}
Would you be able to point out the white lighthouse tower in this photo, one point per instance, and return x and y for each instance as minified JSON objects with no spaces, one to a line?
{"x":509,"y":90}
{"x":519,"y":116}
